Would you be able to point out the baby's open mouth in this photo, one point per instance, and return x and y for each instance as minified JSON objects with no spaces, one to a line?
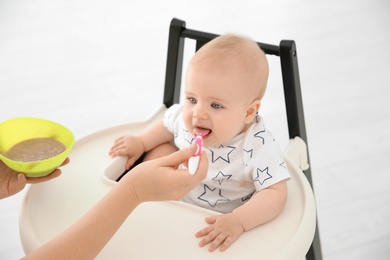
{"x":201,"y":131}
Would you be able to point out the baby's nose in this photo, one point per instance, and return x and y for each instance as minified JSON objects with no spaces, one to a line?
{"x":199,"y":113}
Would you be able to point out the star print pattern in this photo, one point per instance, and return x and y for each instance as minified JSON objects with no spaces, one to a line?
{"x":237,"y":169}
{"x":247,"y":155}
{"x":212,"y":196}
{"x":186,"y":134}
{"x":262,"y":175}
{"x":249,"y":152}
{"x":221,"y":177}
{"x":246,"y":198}
{"x":221,"y":153}
{"x":259,"y":135}
{"x":283,"y":164}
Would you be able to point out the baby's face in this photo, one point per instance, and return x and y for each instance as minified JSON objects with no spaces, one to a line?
{"x":216,"y":102}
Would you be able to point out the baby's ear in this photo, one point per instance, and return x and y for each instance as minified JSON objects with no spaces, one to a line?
{"x":252,"y":110}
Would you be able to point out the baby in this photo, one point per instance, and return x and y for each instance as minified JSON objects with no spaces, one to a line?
{"x":225,"y":82}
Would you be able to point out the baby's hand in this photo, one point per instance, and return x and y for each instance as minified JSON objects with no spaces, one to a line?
{"x":129,"y":145}
{"x":222,"y":231}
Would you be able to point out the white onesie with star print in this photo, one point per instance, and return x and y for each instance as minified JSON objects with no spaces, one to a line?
{"x":248,"y":163}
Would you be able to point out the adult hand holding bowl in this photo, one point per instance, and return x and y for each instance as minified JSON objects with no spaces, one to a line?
{"x":34,"y":131}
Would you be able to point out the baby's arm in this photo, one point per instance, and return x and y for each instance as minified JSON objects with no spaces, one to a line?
{"x":135,"y":146}
{"x":264,"y":206}
{"x":155,"y":135}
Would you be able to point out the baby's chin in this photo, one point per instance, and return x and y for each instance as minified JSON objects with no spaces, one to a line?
{"x":210,"y":141}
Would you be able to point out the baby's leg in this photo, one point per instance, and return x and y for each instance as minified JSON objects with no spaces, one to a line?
{"x":157,"y":152}
{"x":160,"y":151}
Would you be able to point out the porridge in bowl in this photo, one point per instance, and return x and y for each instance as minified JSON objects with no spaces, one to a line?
{"x":35,"y":149}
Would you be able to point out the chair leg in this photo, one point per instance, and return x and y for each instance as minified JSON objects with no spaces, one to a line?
{"x":315,"y":252}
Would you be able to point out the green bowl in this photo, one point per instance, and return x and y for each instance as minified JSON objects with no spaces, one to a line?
{"x":17,"y":130}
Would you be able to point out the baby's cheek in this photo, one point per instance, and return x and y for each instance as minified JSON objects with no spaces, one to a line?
{"x":187,"y":120}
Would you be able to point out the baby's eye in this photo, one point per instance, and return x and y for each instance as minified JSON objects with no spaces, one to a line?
{"x":216,"y":106}
{"x":192,"y":100}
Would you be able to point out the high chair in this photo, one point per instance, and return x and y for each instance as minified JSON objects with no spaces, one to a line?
{"x":165,"y":230}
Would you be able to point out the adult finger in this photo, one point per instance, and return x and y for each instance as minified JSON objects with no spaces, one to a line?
{"x":67,"y":160}
{"x":34,"y":180}
{"x":203,"y":165}
{"x":178,"y":157}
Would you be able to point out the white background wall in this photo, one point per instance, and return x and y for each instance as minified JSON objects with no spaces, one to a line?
{"x":93,"y":64}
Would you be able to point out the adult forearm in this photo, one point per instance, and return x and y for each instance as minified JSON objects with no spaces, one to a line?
{"x":86,"y":237}
{"x":154,"y":180}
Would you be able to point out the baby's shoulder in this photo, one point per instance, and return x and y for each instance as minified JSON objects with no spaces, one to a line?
{"x":258,"y":133}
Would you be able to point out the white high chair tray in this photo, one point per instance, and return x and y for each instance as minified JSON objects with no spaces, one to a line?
{"x":157,"y":230}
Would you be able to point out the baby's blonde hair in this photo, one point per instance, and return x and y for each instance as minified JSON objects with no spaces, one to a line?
{"x":241,"y":52}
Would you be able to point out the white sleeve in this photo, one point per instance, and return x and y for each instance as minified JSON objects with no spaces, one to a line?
{"x":266,"y":162}
{"x":268,"y":166}
{"x":171,"y":116}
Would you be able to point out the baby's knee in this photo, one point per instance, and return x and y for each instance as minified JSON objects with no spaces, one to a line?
{"x":160,"y":151}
